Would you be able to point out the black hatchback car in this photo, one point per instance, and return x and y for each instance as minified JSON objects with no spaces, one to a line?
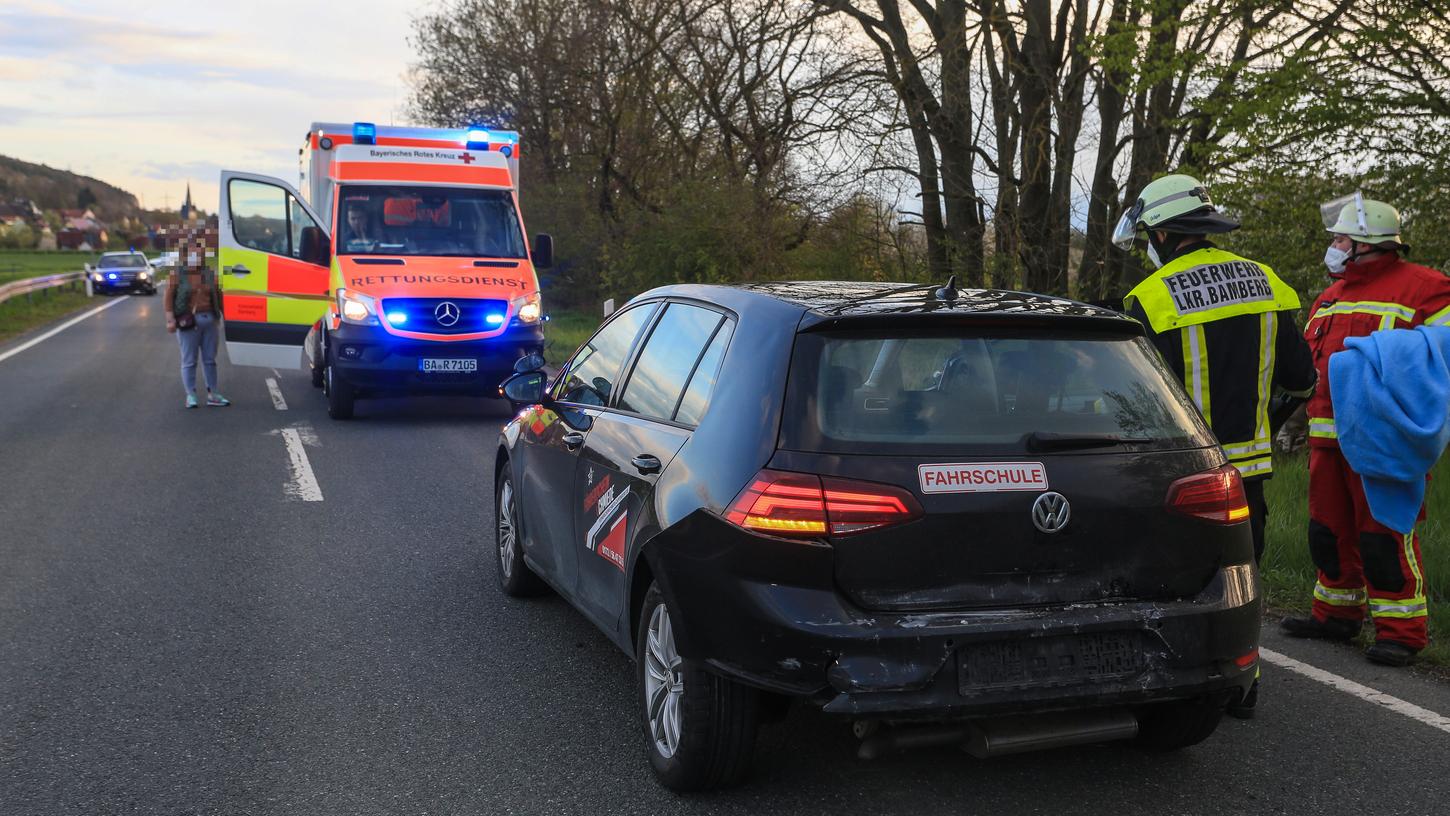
{"x":979,"y":517}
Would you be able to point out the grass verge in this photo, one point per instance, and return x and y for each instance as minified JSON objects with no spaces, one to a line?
{"x":19,"y":315}
{"x":565,"y":332}
{"x":1289,"y":572}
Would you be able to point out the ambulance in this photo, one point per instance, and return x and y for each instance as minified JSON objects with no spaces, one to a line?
{"x":400,"y":267}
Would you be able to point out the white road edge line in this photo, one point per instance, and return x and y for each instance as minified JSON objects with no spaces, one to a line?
{"x":277,"y":401}
{"x":1363,"y":692}
{"x":62,"y":327}
{"x":303,"y":484}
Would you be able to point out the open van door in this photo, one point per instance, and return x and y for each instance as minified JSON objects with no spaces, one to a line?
{"x":275,"y":259}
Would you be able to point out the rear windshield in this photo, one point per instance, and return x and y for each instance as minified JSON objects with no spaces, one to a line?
{"x":995,"y":392}
{"x":122,"y":261}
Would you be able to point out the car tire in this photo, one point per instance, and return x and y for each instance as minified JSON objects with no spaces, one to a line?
{"x":317,"y":374}
{"x":1172,"y":726}
{"x":702,"y":735}
{"x":340,"y":397}
{"x":514,"y":576}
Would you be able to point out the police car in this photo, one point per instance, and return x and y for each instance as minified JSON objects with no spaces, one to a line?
{"x":123,"y":271}
{"x":989,"y":511}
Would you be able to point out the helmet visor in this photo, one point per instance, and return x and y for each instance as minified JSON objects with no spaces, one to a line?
{"x":1127,"y":229}
{"x":1345,"y":215}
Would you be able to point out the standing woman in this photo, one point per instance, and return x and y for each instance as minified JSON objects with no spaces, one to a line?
{"x":194,"y":314}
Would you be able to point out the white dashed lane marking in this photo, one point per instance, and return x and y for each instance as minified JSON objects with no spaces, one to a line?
{"x":1361,"y":691}
{"x":277,"y":401}
{"x":302,"y":485}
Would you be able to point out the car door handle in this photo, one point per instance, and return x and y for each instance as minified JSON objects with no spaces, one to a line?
{"x":573,"y":440}
{"x":236,"y":269}
{"x":645,"y":463}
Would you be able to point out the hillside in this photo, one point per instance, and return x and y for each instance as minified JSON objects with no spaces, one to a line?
{"x":53,"y":189}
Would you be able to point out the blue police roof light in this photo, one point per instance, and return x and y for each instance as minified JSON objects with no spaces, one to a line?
{"x":477,"y":139}
{"x":493,"y":319}
{"x":364,"y":133}
{"x":397,"y":318}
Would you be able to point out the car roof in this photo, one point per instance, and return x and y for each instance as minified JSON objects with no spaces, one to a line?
{"x":831,"y":303}
{"x":124,"y":252}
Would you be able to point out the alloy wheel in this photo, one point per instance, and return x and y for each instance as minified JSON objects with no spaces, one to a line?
{"x":663,"y":683}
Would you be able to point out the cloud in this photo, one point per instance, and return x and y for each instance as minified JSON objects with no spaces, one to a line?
{"x":178,"y":171}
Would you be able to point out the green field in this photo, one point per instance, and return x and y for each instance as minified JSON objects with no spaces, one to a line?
{"x":1289,"y":573}
{"x":17,"y":264}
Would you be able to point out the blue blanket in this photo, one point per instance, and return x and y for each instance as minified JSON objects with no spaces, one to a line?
{"x":1391,"y":393}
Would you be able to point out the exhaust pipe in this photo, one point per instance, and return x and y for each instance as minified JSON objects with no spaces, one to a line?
{"x":999,"y":737}
{"x":1008,"y":735}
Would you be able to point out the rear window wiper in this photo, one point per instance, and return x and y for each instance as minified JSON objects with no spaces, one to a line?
{"x":1046,"y":440}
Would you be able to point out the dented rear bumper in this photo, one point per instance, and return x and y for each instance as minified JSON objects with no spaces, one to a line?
{"x":776,"y":621}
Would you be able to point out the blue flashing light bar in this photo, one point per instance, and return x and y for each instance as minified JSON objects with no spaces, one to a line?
{"x":364,"y":133}
{"x":397,"y":318}
{"x":112,"y":276}
{"x":493,"y":319}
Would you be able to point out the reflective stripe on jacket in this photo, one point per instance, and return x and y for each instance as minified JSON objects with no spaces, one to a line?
{"x":1384,"y":293}
{"x":1225,"y":326}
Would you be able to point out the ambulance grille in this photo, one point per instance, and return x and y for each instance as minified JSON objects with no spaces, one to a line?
{"x":429,"y":315}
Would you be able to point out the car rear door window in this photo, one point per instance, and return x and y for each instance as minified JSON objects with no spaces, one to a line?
{"x":669,"y":358}
{"x":702,"y":382}
{"x":591,"y":375}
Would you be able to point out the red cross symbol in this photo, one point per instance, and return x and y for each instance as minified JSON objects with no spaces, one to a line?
{"x":467,"y":158}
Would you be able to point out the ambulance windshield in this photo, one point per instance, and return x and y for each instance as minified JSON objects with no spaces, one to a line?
{"x":436,"y":221}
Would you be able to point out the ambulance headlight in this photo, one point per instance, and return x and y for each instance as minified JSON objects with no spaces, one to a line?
{"x":356,"y":308}
{"x":528,"y":309}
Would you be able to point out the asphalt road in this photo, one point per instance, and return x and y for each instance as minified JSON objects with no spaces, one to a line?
{"x":181,"y":633}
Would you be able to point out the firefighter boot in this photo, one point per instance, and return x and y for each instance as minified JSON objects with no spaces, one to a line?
{"x":1311,"y":627}
{"x":1390,"y":653}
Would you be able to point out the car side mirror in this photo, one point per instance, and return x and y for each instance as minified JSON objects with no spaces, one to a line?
{"x":533,"y":362}
{"x":314,"y":248}
{"x":524,"y":389}
{"x":543,"y":250}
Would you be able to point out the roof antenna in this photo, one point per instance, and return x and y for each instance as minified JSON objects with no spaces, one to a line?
{"x":948,"y":292}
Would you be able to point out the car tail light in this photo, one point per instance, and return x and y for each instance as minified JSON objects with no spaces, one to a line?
{"x":802,"y":505}
{"x":1216,"y":496}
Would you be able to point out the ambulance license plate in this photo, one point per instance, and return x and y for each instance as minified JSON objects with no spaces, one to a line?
{"x":447,"y":365}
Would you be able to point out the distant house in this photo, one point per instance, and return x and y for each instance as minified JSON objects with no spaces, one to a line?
{"x":71,"y":238}
{"x":87,"y":213}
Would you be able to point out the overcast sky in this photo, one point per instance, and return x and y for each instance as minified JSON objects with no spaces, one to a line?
{"x":149,"y":95}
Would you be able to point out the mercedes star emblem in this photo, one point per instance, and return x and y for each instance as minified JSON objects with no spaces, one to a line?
{"x":446,"y":313}
{"x":1050,"y":512}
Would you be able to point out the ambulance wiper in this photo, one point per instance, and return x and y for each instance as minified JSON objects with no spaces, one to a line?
{"x":1047,"y":440}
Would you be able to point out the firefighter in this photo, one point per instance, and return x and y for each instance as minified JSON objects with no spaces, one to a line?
{"x":1358,"y":559}
{"x":1225,"y":326}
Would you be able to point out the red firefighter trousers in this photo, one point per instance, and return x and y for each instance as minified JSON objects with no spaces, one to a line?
{"x":1361,"y":561}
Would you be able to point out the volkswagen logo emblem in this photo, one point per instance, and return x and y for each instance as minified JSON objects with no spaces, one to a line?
{"x":1050,"y":512}
{"x":447,"y":313}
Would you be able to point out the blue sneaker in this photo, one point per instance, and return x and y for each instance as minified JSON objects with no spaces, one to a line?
{"x":190,"y":400}
{"x":216,"y":400}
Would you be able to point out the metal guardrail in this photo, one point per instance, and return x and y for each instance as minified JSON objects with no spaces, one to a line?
{"x":40,"y":284}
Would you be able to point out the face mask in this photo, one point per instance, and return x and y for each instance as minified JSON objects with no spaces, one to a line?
{"x":1153,"y":257}
{"x":1335,"y":259}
